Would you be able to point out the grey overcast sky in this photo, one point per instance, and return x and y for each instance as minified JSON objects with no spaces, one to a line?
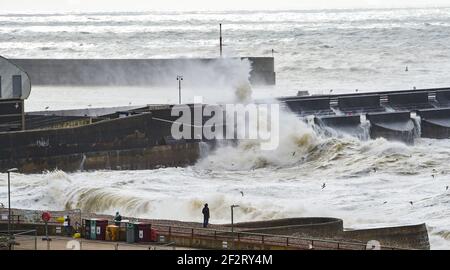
{"x":32,"y":6}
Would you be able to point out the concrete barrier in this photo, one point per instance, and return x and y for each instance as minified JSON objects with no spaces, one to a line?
{"x":175,"y":155}
{"x":360,"y":103}
{"x":309,"y":106}
{"x":133,"y":142}
{"x":435,"y":123}
{"x":350,"y":125}
{"x":396,"y":126}
{"x":443,"y":97}
{"x":407,"y":101}
{"x":409,"y":237}
{"x":319,"y":227}
{"x":134,"y":71}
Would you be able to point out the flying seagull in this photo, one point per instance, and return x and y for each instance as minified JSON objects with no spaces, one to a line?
{"x":323,"y":185}
{"x":406,"y":69}
{"x":411,"y":203}
{"x":242,"y":193}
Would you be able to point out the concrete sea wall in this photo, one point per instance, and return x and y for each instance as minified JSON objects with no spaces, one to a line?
{"x":136,"y":72}
{"x":133,"y":142}
{"x":390,"y":113}
{"x":411,"y":236}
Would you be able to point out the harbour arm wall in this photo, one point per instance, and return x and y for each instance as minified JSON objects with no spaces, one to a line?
{"x":135,"y":72}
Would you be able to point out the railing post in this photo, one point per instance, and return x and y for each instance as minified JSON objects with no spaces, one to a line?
{"x":312,"y":244}
{"x":239,"y":237}
{"x":192,"y":233}
{"x":35,"y":240}
{"x":338,"y":245}
{"x":287,"y":241}
{"x":170,"y":231}
{"x":215,"y":234}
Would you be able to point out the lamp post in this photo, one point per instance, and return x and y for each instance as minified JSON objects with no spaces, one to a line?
{"x":232,"y":216}
{"x":9,"y":204}
{"x":179,"y":79}
{"x":220,"y":38}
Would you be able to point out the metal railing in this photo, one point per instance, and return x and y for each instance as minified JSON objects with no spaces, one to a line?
{"x":262,"y":239}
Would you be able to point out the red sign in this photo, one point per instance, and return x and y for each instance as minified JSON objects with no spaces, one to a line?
{"x":46,"y":216}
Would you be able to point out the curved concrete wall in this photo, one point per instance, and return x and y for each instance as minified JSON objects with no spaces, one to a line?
{"x":435,"y":123}
{"x":346,"y":124}
{"x":392,"y":126}
{"x":321,"y":227}
{"x":410,"y":237}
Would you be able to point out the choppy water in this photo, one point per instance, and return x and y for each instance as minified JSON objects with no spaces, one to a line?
{"x":317,"y":51}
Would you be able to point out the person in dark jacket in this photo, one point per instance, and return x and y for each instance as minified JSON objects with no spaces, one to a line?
{"x":117,"y":219}
{"x":205,"y":212}
{"x":67,"y":227}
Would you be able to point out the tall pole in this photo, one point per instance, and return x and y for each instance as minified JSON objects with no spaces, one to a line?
{"x":9,"y":208}
{"x":179,"y":79}
{"x":232,"y":217}
{"x":220,"y":30}
{"x":9,"y":205}
{"x":232,"y":221}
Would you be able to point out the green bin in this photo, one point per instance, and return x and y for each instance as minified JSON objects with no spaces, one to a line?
{"x":131,"y":233}
{"x":93,"y":229}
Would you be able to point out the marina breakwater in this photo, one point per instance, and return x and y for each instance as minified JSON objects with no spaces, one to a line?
{"x":394,"y":115}
{"x":136,"y":72}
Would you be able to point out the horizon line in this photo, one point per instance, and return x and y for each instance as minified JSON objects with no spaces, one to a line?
{"x":306,"y":10}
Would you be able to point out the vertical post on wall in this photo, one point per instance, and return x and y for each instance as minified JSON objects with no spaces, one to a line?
{"x":179,"y":79}
{"x":220,"y":30}
{"x":9,"y":211}
{"x":22,"y":104}
{"x":10,"y":234}
{"x":232,"y":216}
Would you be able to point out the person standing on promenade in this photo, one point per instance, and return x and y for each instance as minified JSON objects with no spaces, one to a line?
{"x":67,"y":225}
{"x":117,"y":219}
{"x":205,"y":212}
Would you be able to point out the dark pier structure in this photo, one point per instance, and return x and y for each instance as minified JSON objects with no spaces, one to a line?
{"x":132,"y":139}
{"x":141,"y":137}
{"x":394,"y":115}
{"x":101,"y":138}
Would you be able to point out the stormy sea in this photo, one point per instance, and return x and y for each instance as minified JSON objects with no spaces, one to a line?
{"x":317,"y":51}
